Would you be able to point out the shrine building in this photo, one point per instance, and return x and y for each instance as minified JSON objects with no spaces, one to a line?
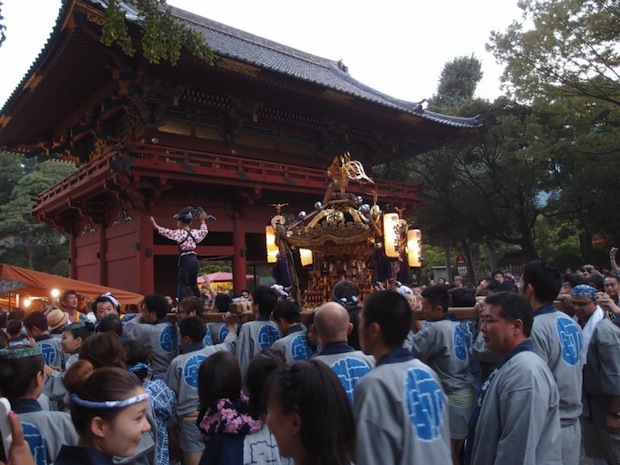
{"x":256,"y":128}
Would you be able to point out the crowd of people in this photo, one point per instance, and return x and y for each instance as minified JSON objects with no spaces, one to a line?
{"x":397,"y":378}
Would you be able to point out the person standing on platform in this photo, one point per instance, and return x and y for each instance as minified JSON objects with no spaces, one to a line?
{"x":516,"y":420}
{"x":400,"y":406}
{"x":558,"y":341}
{"x":187,"y":240}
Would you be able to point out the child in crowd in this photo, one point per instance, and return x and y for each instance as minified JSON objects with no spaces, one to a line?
{"x":182,"y":378}
{"x":231,"y":423}
{"x":108,"y":409}
{"x":162,"y":398}
{"x":225,"y":419}
{"x":73,"y":336}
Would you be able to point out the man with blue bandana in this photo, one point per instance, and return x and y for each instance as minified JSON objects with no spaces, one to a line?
{"x":558,"y":341}
{"x":516,"y":419}
{"x":601,"y":378}
{"x":400,"y":406}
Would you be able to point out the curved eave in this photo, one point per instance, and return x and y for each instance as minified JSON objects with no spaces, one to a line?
{"x":238,"y":45}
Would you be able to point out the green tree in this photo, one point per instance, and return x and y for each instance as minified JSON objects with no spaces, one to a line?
{"x":562,"y":48}
{"x":2,"y":27}
{"x":486,"y":188}
{"x":457,"y":83}
{"x":162,"y":36}
{"x":36,"y":245}
{"x":11,"y":170}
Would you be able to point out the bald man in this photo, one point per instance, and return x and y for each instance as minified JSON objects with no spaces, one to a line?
{"x":332,"y":324}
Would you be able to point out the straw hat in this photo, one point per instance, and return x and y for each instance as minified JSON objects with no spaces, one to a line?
{"x":56,"y":318}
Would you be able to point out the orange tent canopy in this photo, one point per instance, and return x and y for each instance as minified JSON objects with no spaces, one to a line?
{"x":37,"y":283}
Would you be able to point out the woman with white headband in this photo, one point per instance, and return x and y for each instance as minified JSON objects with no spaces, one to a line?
{"x":108,"y":409}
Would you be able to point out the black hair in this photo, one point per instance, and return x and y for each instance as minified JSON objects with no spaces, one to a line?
{"x":312,"y":390}
{"x":66,"y":294}
{"x":156,"y":303}
{"x":13,"y":328}
{"x":222,"y":302}
{"x":346,"y":293}
{"x":105,"y":298}
{"x":110,"y":323}
{"x":219,"y":377}
{"x":462,"y":297}
{"x":193,"y":327}
{"x":83,"y":331}
{"x":287,"y":310}
{"x":259,"y":370}
{"x":184,"y":216}
{"x":544,"y":279}
{"x":16,"y":314}
{"x":437,"y":296}
{"x":507,"y":286}
{"x":513,"y":307}
{"x":574,"y":279}
{"x":137,"y":353}
{"x":104,"y":350}
{"x":391,"y":311}
{"x":17,"y":374}
{"x":36,"y":320}
{"x":191,"y":303}
{"x":266,"y":298}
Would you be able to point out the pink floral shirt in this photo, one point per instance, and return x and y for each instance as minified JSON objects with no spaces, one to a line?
{"x":183,"y":239}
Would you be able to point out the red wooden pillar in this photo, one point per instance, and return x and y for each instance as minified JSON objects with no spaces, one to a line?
{"x":101,"y":255}
{"x":239,"y":261}
{"x":73,"y":258}
{"x":144,"y":255}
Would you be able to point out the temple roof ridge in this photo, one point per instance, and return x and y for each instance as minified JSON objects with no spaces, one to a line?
{"x":231,"y":42}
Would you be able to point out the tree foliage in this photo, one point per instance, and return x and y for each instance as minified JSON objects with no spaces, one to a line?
{"x":487,"y":188}
{"x":457,"y":83}
{"x":163,"y":36}
{"x":35,"y":245}
{"x":2,"y":27}
{"x":567,"y":48}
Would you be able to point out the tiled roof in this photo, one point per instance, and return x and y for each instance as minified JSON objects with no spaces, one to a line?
{"x":229,"y":42}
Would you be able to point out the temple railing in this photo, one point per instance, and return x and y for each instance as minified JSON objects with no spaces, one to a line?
{"x":172,"y":162}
